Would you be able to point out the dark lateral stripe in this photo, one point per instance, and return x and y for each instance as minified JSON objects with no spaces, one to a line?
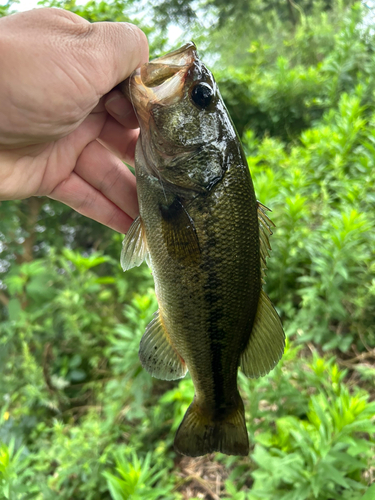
{"x":216,"y":334}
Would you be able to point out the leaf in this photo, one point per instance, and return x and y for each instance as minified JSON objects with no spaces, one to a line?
{"x":14,"y":309}
{"x":334,"y":474}
{"x":370,"y":493}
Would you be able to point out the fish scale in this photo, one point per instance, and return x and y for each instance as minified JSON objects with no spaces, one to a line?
{"x":206,"y":239}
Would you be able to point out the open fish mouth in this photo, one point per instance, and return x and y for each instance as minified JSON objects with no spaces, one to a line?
{"x":156,"y":72}
{"x":161,"y":81}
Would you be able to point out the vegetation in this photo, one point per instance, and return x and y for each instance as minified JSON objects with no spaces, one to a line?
{"x":79,"y":417}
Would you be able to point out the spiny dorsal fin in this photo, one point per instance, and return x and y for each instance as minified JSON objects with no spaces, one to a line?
{"x":158,"y":356}
{"x":134,"y":247}
{"x":265,"y":232}
{"x":266,"y":343}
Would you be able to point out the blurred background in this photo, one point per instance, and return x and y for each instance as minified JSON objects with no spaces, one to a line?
{"x":79,"y":418}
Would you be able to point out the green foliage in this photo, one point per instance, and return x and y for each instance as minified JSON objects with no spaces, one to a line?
{"x":238,"y":13}
{"x":321,"y":456}
{"x":296,"y":75}
{"x":369,"y":493}
{"x":137,"y":480}
{"x":63,"y":327}
{"x":12,"y":469}
{"x":321,"y":272}
{"x":5,"y":9}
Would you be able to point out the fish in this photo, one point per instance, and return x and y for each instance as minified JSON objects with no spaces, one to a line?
{"x":206,"y":238}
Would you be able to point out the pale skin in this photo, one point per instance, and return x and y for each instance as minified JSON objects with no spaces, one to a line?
{"x":64,"y":131}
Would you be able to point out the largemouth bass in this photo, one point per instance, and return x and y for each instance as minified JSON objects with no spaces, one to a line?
{"x":205,"y":237}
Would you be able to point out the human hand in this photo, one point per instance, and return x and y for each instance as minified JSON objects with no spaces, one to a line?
{"x":59,"y":136}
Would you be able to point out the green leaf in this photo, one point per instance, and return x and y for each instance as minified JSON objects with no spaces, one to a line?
{"x":370,"y":493}
{"x":14,"y":309}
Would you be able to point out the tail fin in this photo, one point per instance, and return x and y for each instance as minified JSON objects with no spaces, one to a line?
{"x":199,"y":434}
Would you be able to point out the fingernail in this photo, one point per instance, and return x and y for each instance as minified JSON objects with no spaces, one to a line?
{"x":119,"y":106}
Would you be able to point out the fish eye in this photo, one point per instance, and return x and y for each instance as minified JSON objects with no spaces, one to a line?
{"x":202,"y":95}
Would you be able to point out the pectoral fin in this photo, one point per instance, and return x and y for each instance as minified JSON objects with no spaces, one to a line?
{"x":266,"y":343}
{"x":179,"y":234}
{"x":158,"y":356}
{"x":134,"y":247}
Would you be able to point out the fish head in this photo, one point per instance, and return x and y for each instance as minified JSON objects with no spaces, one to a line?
{"x":184,"y":124}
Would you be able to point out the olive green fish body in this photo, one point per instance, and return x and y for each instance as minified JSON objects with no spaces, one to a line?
{"x":211,"y":300}
{"x":199,"y":229}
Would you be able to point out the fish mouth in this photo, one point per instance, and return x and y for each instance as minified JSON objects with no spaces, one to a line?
{"x":161,"y":81}
{"x":157,"y":71}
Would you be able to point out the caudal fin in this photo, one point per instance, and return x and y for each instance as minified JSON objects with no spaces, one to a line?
{"x":199,"y":434}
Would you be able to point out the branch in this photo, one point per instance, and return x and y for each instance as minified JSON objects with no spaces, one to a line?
{"x":4,"y":299}
{"x":33,"y":207}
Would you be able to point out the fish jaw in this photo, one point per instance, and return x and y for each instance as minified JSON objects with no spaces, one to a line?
{"x":174,"y":129}
{"x":161,"y":81}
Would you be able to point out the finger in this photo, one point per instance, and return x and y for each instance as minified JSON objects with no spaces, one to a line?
{"x":100,"y":107}
{"x":85,"y":199}
{"x":120,"y":140}
{"x":121,"y":109}
{"x":108,"y":175}
{"x":63,"y":155}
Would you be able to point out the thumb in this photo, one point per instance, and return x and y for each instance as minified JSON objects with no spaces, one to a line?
{"x":53,"y":41}
{"x":119,"y":49}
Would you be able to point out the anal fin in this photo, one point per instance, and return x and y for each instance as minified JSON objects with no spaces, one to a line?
{"x":266,"y":343}
{"x":157,"y":355}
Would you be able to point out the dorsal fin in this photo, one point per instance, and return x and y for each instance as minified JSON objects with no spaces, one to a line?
{"x":267,"y":339}
{"x":265,"y":232}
